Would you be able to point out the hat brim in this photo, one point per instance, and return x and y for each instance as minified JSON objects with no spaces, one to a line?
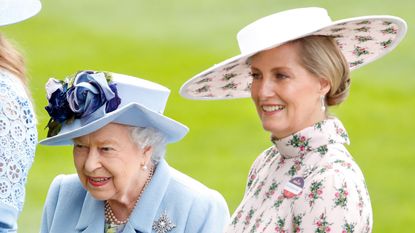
{"x":230,"y":78}
{"x":16,"y":11}
{"x":133,"y":115}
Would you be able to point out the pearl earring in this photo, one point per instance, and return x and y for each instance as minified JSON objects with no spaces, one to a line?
{"x":323,"y":104}
{"x":144,"y":167}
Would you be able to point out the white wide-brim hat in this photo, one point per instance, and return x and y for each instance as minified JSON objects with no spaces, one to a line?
{"x":142,"y":105}
{"x":361,"y":40}
{"x":13,"y":11}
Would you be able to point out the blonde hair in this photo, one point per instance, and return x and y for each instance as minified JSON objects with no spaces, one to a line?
{"x":11,"y":60}
{"x":321,"y":56}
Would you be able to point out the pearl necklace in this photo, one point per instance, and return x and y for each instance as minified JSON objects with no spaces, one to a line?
{"x":109,"y":214}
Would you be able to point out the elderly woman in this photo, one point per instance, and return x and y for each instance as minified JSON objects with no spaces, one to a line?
{"x":18,"y":133}
{"x":119,"y":133}
{"x":295,"y":64}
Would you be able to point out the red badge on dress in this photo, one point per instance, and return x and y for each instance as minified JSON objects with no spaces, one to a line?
{"x":294,"y":187}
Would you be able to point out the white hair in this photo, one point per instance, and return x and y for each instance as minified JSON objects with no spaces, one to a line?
{"x":150,"y":137}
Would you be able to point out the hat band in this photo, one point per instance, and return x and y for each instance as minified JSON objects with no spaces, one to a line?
{"x":81,"y":122}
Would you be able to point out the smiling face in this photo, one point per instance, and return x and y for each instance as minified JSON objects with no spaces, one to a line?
{"x":108,"y":163}
{"x":286,"y":95}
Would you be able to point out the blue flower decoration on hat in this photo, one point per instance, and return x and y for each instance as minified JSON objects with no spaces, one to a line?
{"x":78,"y":97}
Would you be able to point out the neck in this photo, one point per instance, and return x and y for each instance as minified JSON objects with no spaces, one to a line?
{"x":123,"y":207}
{"x":281,"y":135}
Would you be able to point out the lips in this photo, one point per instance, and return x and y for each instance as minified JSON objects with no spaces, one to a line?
{"x":98,"y":181}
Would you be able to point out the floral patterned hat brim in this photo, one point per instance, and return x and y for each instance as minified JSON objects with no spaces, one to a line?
{"x":362,"y":40}
{"x":13,"y":11}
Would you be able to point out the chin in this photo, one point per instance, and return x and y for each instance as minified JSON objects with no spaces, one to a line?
{"x":277,"y":132}
{"x":274,"y":132}
{"x":99,"y":195}
{"x":272,"y":127}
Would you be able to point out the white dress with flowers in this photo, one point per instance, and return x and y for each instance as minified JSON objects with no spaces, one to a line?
{"x":18,"y":139}
{"x":307,"y":182}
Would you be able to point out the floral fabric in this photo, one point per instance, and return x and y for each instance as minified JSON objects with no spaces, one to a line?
{"x":113,"y":228}
{"x":18,"y":139}
{"x":79,"y":97}
{"x":307,"y":182}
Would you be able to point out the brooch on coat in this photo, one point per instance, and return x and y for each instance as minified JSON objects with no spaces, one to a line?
{"x":163,"y":224}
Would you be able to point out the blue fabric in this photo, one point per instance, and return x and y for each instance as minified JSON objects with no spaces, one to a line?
{"x":8,"y":218}
{"x":190,"y":205}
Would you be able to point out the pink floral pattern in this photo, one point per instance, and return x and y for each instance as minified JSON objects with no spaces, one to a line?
{"x":334,"y":197}
{"x":316,"y":191}
{"x":322,"y":225}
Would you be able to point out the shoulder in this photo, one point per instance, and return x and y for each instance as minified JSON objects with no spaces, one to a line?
{"x":10,"y":83}
{"x":66,"y":182}
{"x":266,"y":156}
{"x":17,"y":107}
{"x":65,"y":189}
{"x":339,"y":163}
{"x":17,"y":102}
{"x":338,"y":171}
{"x":63,"y":202}
{"x":335,"y":193}
{"x":203,"y":209}
{"x":192,"y":189}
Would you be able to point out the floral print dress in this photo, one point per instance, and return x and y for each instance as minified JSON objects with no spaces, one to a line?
{"x":307,"y":182}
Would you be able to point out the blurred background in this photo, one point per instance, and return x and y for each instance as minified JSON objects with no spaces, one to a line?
{"x":170,"y":41}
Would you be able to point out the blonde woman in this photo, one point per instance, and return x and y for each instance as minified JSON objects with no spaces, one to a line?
{"x":18,"y":134}
{"x":294,"y":65}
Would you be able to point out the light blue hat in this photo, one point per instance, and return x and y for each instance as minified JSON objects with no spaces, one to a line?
{"x":90,"y":100}
{"x":13,"y":11}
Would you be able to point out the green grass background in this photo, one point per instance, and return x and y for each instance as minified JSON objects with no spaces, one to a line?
{"x":169,"y":41}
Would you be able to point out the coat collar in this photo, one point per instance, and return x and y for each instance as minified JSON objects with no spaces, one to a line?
{"x":92,"y":217}
{"x":145,"y":212}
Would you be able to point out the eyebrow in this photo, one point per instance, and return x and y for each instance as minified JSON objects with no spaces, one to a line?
{"x":106,"y":142}
{"x":285,"y":68}
{"x":273,"y":69}
{"x":75,"y":140}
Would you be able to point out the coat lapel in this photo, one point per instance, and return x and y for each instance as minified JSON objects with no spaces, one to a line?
{"x":91,"y":218}
{"x":144,"y":214}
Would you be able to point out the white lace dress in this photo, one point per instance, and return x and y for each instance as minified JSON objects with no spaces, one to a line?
{"x":307,"y":182}
{"x":18,"y":139}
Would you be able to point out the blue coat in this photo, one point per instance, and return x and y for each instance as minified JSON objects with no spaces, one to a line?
{"x":188,"y":204}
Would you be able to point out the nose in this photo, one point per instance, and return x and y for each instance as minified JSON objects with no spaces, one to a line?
{"x":265,"y":88}
{"x":92,"y":161}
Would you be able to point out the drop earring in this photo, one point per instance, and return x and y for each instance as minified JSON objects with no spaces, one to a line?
{"x":323,"y":103}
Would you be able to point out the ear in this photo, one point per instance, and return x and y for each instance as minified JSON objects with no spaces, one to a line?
{"x":147,"y":152}
{"x":325,"y":86}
